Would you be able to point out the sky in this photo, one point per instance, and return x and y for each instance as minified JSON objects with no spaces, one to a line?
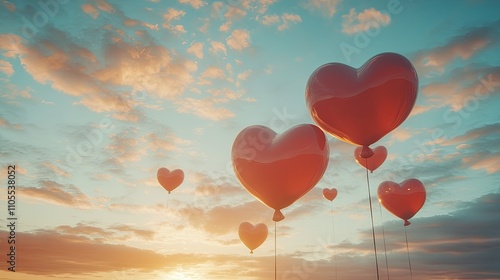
{"x":97,"y":95}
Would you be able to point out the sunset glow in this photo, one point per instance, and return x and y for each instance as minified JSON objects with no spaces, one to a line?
{"x":106,"y":106}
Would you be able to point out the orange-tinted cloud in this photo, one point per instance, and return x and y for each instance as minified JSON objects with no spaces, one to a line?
{"x":52,"y":252}
{"x":90,"y":10}
{"x":6,"y":68}
{"x":196,"y":49}
{"x":194,"y":3}
{"x":463,"y":46}
{"x":55,"y":193}
{"x":239,"y":39}
{"x":327,"y":7}
{"x":9,"y":6}
{"x":363,"y":21}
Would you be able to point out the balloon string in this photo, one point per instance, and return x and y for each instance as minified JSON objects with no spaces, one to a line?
{"x":252,"y":265}
{"x":274,"y":250}
{"x":385,"y":247}
{"x":371,"y":215}
{"x":333,"y":241}
{"x":408,"y":250}
{"x":168,"y":196}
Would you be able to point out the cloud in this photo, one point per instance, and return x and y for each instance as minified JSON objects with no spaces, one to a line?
{"x":215,"y":188}
{"x":217,"y":47}
{"x":225,"y":27}
{"x":327,"y":7}
{"x":285,"y":20}
{"x":221,"y":220}
{"x":234,"y":12}
{"x":483,"y":161}
{"x":400,"y":134}
{"x":135,"y":66}
{"x":58,"y":194}
{"x":7,"y":124}
{"x":56,"y":169}
{"x":65,"y":253}
{"x":477,"y":147}
{"x":270,"y":19}
{"x":105,"y":6}
{"x":363,"y":21}
{"x":244,"y":75}
{"x":205,"y":108}
{"x":239,"y":39}
{"x":163,"y":141}
{"x":133,"y":22}
{"x":90,"y":10}
{"x":464,"y":46}
{"x":460,"y":244}
{"x":6,"y":68}
{"x":264,"y":5}
{"x":213,"y":72}
{"x":487,"y":131}
{"x":9,"y":6}
{"x":138,"y":232}
{"x":467,"y":88}
{"x":125,"y":147}
{"x":194,"y":3}
{"x":173,"y":14}
{"x":196,"y":49}
{"x":81,"y":257}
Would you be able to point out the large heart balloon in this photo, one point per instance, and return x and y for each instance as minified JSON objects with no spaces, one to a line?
{"x":360,"y":106}
{"x":403,"y":200}
{"x":170,"y":179}
{"x":279,"y":169}
{"x":330,"y":194}
{"x":375,"y":161}
{"x":252,"y":236}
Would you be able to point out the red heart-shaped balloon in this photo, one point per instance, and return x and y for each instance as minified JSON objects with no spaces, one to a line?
{"x":330,"y":194}
{"x":373,"y":162}
{"x":279,"y":169}
{"x":403,"y":200}
{"x":252,"y":236}
{"x":170,"y":179}
{"x":360,"y":106}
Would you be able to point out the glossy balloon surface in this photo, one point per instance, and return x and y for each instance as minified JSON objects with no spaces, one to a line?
{"x":360,"y":106}
{"x":279,"y":169}
{"x":373,"y":162}
{"x":403,"y":200}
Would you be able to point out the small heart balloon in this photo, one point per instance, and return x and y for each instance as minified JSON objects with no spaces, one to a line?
{"x":170,"y":179}
{"x":360,"y":106}
{"x":330,"y":194}
{"x":373,"y":162}
{"x":403,"y":200}
{"x":252,"y":236}
{"x":279,"y":169}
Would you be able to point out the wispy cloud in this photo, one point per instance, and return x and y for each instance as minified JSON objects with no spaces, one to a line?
{"x":363,"y":21}
{"x":196,"y":49}
{"x":55,"y":193}
{"x":6,"y":68}
{"x":463,"y":46}
{"x":217,"y":47}
{"x":326,"y":7}
{"x":194,"y":3}
{"x":239,"y":39}
{"x":467,"y":87}
{"x":90,"y":10}
{"x":284,"y":21}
